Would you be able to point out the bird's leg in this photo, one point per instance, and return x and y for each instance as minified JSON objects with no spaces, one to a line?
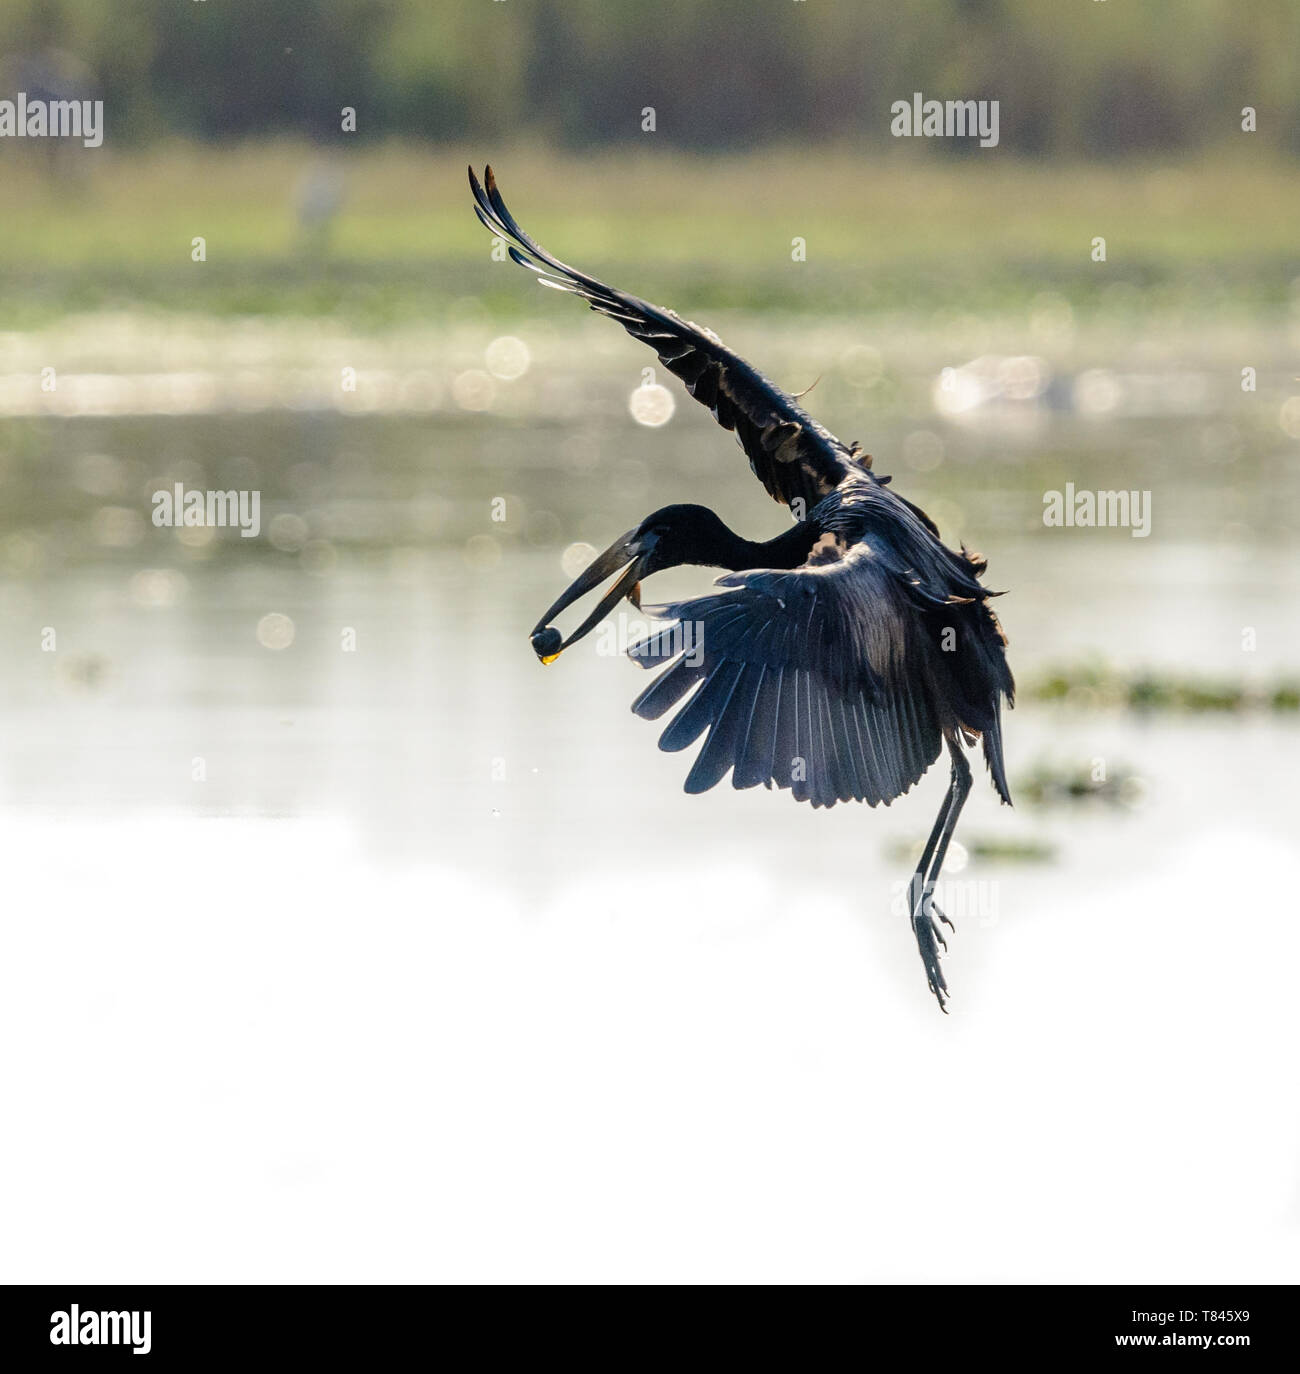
{"x":925,"y":926}
{"x":958,"y":790}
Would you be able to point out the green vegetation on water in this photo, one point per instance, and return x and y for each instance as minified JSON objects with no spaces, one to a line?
{"x":1052,"y":784}
{"x":986,"y":847}
{"x":1094,"y":685}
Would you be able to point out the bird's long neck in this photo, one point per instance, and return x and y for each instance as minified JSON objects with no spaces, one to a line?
{"x":788,"y":550}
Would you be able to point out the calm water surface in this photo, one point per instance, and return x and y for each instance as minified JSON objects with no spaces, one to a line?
{"x":456,"y":918}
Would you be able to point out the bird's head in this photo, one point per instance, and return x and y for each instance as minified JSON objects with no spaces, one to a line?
{"x":672,"y":535}
{"x":681,"y":534}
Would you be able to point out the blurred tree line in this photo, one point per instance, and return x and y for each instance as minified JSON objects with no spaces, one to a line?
{"x":1074,"y":78}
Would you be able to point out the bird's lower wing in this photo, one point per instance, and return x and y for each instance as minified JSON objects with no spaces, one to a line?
{"x":804,"y":679}
{"x":793,"y":456}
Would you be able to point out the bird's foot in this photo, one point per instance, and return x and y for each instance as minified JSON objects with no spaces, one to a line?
{"x":926,"y":917}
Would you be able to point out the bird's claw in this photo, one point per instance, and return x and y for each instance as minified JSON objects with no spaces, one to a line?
{"x":929,"y":940}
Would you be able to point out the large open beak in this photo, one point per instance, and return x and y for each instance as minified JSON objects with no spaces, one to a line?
{"x":630,"y":550}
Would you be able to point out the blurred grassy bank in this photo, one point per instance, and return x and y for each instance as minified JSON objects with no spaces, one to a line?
{"x":108,"y":230}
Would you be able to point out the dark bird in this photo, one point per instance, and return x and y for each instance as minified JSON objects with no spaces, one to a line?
{"x":841,"y":655}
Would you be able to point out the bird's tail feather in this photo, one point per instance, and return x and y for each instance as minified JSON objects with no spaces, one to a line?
{"x":993,"y":754}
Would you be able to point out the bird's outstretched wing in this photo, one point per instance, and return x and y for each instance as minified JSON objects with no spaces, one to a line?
{"x":810,"y":679}
{"x":791,"y":454}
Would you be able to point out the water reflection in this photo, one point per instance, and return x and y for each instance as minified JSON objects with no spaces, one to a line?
{"x":366,"y":656}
